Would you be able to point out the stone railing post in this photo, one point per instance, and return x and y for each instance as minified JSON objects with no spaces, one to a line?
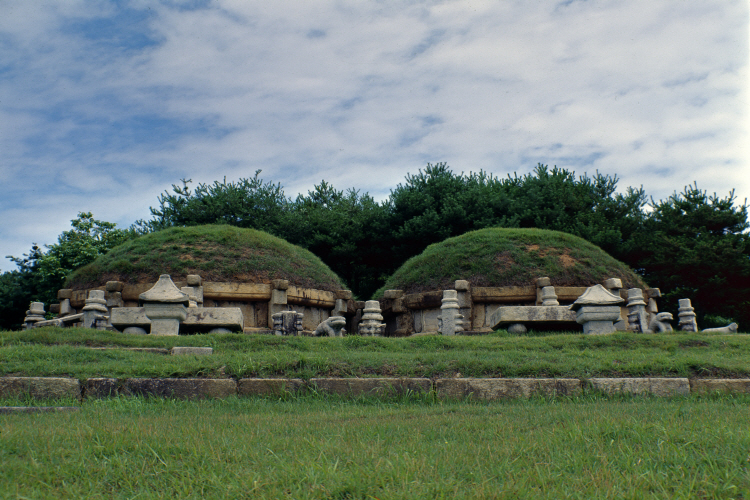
{"x":114,"y":294}
{"x":637,"y":316}
{"x":34,"y":315}
{"x":686,"y":316}
{"x":549,"y":297}
{"x":372,"y":320}
{"x":278,"y":298}
{"x":465,"y":303}
{"x":614,"y":286}
{"x":342,"y":299}
{"x":64,"y":295}
{"x":540,"y":284}
{"x":450,"y":321}
{"x":95,"y":310}
{"x":196,"y":283}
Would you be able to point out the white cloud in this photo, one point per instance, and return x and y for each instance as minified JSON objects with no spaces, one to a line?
{"x":102,"y":108}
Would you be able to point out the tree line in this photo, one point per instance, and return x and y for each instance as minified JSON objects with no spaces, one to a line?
{"x":691,"y":245}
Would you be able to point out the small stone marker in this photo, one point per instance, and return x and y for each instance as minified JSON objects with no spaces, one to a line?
{"x":165,"y":306}
{"x":372,"y":320}
{"x":95,"y":311}
{"x":597,"y":310}
{"x":450,"y":321}
{"x":287,"y":323}
{"x":549,"y":297}
{"x":34,"y":315}
{"x":686,"y":316}
{"x":637,"y":317}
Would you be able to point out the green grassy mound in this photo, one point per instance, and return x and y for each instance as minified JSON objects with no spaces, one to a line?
{"x":215,"y":252}
{"x":509,"y":257}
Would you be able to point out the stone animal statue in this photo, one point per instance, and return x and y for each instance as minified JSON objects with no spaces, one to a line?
{"x":730,"y":328}
{"x":659,"y":322}
{"x":332,"y":327}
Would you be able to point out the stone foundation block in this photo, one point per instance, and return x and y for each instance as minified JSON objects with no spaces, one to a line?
{"x":370,"y":386}
{"x":726,"y":386}
{"x":661,"y":387}
{"x":503,"y":388}
{"x":99,"y":388}
{"x":40,"y":387}
{"x":268,"y":386}
{"x":180,"y":388}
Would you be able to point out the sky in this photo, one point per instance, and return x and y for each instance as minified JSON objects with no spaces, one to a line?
{"x":105,"y":104}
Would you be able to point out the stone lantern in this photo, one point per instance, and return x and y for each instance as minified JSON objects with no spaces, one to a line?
{"x":597,"y":310}
{"x":165,"y":305}
{"x":34,"y":315}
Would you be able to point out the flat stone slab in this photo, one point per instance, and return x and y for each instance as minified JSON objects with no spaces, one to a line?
{"x":726,"y":386}
{"x":199,"y":319}
{"x":661,"y":387}
{"x":40,"y":387}
{"x":268,"y":386}
{"x":554,"y":315}
{"x":192,"y":351}
{"x":38,"y":409}
{"x":505,"y":388}
{"x":153,"y":350}
{"x":99,"y":388}
{"x":370,"y":386}
{"x":179,"y":388}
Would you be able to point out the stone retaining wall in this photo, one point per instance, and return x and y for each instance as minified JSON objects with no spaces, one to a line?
{"x":451,"y":388}
{"x":406,"y":314}
{"x":257,"y":301}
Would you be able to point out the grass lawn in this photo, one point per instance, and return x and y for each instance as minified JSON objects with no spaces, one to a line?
{"x":67,"y":352}
{"x":327,"y":447}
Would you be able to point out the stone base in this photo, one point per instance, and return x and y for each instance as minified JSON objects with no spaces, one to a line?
{"x":598,"y":328}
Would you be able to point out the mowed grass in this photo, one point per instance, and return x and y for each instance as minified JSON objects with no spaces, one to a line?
{"x":68,"y":352}
{"x":326,"y":447}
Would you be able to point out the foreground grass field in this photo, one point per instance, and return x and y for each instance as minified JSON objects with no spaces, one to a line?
{"x":325,"y":447}
{"x":68,"y":352}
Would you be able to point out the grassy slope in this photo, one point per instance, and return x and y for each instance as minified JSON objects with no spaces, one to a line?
{"x":216,"y":252}
{"x":509,"y":257}
{"x":327,"y":448}
{"x":65,"y":352}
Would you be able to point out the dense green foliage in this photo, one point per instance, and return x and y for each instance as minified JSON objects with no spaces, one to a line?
{"x":509,"y":257}
{"x":318,"y":447}
{"x":497,"y":355}
{"x":42,"y":273}
{"x":690,"y":245}
{"x":216,"y":252}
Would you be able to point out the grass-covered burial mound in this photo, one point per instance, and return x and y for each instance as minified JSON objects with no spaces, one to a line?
{"x":509,"y":257}
{"x":215,"y":252}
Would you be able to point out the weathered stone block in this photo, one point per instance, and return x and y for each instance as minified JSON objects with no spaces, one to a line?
{"x":194,"y":280}
{"x":502,"y":388}
{"x":97,"y":388}
{"x":280,"y":284}
{"x":343,"y":294}
{"x":462,"y":286}
{"x":371,"y":386}
{"x":393,"y":294}
{"x":65,"y":293}
{"x":727,"y":386}
{"x":114,"y":286}
{"x":662,"y":387}
{"x":190,"y":388}
{"x":560,"y":316}
{"x":268,"y":386}
{"x":40,"y":387}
